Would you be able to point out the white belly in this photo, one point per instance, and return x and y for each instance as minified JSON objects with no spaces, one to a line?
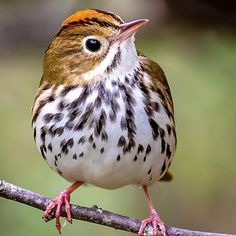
{"x":100,"y":148}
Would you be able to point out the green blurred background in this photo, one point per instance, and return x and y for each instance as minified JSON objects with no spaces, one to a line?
{"x":195,"y":43}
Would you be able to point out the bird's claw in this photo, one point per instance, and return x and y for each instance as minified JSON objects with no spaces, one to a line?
{"x":57,"y":203}
{"x":157,"y":225}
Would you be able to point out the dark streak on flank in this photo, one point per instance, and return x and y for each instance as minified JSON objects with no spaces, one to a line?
{"x":51,"y":98}
{"x":131,"y":144}
{"x":168,"y":127}
{"x":123,"y":123}
{"x":82,"y":140}
{"x":135,"y":158}
{"x":118,"y":158}
{"x":121,"y":141}
{"x":81,"y":154}
{"x":113,"y":83}
{"x":149,"y":106}
{"x":162,"y":132}
{"x":50,"y":147}
{"x":168,"y":112}
{"x":164,"y":100}
{"x":70,"y":142}
{"x":80,"y":125}
{"x":35,"y":133}
{"x":107,"y":97}
{"x":48,"y":117}
{"x":101,"y":90}
{"x":163,"y":168}
{"x":91,"y":139}
{"x":61,"y":105}
{"x":148,"y":109}
{"x":145,"y":91}
{"x":58,"y":117}
{"x":112,"y":116}
{"x":84,"y":118}
{"x":168,"y":152}
{"x":155,"y":106}
{"x":58,"y":131}
{"x":51,"y":130}
{"x":65,"y":144}
{"x":163,"y":145}
{"x":150,"y":170}
{"x":55,"y":161}
{"x":98,"y":102}
{"x":101,"y":123}
{"x":129,"y":121}
{"x":104,"y":136}
{"x":104,"y":94}
{"x":75,"y":156}
{"x":102,"y":150}
{"x":69,"y":125}
{"x":144,"y":159}
{"x":115,"y":107}
{"x":43,"y":150}
{"x":94,"y":145}
{"x":155,"y":128}
{"x":140,"y":148}
{"x":127,"y":81}
{"x":43,"y":133}
{"x":148,"y":149}
{"x":74,"y":114}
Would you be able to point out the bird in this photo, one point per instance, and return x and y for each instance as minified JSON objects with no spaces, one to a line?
{"x":103,"y":114}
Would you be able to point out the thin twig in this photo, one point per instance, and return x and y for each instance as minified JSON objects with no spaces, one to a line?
{"x":93,"y":215}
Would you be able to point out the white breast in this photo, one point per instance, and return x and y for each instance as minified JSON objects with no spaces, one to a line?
{"x":104,"y":139}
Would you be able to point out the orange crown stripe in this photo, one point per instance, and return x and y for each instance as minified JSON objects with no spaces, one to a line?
{"x":82,"y":15}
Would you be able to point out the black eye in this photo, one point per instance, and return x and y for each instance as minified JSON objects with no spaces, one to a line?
{"x":93,"y":45}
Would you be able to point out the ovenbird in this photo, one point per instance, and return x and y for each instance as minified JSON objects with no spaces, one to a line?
{"x":103,"y":114}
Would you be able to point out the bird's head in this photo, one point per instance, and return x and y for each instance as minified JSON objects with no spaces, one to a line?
{"x":90,"y":45}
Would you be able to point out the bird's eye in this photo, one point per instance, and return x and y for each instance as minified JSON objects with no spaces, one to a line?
{"x":93,"y":45}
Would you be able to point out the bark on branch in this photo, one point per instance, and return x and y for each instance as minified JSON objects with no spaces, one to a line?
{"x":93,"y":215}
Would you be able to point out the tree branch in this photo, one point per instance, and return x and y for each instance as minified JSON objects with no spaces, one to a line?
{"x":93,"y":215}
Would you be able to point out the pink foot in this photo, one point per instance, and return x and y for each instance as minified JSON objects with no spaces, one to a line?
{"x":157,"y":225}
{"x":63,"y":198}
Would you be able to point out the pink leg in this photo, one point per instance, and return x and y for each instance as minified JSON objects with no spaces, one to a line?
{"x":63,"y":198}
{"x":154,"y":219}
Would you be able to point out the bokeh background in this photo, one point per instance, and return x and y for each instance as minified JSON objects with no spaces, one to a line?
{"x":195,"y":43}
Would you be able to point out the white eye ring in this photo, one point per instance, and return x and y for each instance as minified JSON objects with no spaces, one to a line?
{"x":92,"y":45}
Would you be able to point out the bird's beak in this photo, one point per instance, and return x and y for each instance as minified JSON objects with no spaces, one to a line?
{"x":126,"y":30}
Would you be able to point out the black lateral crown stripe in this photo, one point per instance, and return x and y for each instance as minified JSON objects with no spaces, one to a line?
{"x":109,"y":13}
{"x":101,"y":23}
